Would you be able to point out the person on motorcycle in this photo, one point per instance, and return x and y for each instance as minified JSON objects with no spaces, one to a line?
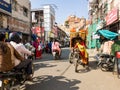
{"x":56,"y":46}
{"x":16,"y":43}
{"x":83,"y":51}
{"x":22,"y":50}
{"x":8,"y":55}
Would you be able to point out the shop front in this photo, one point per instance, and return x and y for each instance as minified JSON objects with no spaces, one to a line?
{"x":112,"y":20}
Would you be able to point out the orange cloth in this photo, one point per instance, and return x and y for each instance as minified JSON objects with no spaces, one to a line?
{"x":83,"y":53}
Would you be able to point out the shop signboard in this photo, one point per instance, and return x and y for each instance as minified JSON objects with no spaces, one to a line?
{"x":5,"y":5}
{"x":112,"y":16}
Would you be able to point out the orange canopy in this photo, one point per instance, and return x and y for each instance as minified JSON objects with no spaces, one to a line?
{"x":73,"y":30}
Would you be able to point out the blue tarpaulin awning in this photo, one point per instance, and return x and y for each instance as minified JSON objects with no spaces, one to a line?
{"x":107,"y":34}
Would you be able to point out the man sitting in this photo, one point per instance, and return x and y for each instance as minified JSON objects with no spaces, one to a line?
{"x":56,"y":46}
{"x":10,"y":58}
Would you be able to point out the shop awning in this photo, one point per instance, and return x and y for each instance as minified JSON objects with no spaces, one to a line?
{"x":107,"y":34}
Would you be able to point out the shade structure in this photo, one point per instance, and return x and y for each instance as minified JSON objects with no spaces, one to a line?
{"x":107,"y":34}
{"x":73,"y":30}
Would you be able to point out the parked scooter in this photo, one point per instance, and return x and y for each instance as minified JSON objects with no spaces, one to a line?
{"x":106,"y":62}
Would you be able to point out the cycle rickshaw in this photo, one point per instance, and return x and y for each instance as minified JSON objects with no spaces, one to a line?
{"x":75,"y":54}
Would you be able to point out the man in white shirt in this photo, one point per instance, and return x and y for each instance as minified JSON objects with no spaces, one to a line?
{"x":15,"y":41}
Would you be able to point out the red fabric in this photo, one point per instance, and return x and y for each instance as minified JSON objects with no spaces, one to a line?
{"x":38,"y":52}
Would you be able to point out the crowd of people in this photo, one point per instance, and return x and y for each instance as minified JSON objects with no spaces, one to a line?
{"x":12,"y":53}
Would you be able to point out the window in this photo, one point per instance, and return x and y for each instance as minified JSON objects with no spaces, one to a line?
{"x":14,"y":5}
{"x":25,"y":11}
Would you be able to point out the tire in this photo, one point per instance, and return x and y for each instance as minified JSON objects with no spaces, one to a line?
{"x":57,"y":56}
{"x":76,"y":58}
{"x":76,"y":65}
{"x":104,"y":67}
{"x":71,"y":56}
{"x":33,"y":69}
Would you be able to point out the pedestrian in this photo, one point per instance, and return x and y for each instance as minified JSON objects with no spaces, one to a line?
{"x":50,"y":46}
{"x":38,"y":52}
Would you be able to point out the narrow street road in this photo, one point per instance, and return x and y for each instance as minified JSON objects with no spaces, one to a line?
{"x":60,"y":75}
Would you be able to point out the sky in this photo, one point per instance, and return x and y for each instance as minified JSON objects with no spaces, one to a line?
{"x":64,"y":8}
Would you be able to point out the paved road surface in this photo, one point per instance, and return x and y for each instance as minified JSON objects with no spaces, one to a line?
{"x":59,"y":75}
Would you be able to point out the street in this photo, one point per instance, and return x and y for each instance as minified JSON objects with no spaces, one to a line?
{"x":53,"y":74}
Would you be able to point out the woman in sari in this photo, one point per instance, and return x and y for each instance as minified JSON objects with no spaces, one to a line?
{"x":83,"y":52}
{"x":38,"y":51}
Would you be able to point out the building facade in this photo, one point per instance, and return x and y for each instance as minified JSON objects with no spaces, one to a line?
{"x":44,"y":18}
{"x":15,"y":16}
{"x":103,"y":14}
{"x":5,"y":12}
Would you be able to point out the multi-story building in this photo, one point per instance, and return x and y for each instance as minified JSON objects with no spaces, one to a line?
{"x":15,"y":16}
{"x":44,"y":19}
{"x":103,"y":14}
{"x":5,"y":12}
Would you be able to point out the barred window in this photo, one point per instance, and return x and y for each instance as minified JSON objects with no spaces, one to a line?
{"x":25,"y":11}
{"x":14,"y":5}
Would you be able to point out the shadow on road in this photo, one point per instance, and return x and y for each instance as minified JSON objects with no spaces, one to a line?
{"x":53,"y":83}
{"x":92,"y":66}
{"x":42,"y":65}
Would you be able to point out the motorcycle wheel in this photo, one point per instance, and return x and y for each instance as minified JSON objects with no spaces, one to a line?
{"x":76,"y":58}
{"x":33,"y":69}
{"x":15,"y":88}
{"x":71,"y":56}
{"x":57,"y":56}
{"x":104,"y":67}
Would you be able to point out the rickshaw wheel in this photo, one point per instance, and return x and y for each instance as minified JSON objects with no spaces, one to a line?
{"x":71,"y":56}
{"x":76,"y":58}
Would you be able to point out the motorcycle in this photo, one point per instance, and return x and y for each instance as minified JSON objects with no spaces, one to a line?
{"x":106,"y":62}
{"x":12,"y":80}
{"x":56,"y":55}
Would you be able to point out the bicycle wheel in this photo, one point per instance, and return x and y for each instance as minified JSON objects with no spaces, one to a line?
{"x":71,"y":56}
{"x":76,"y":58}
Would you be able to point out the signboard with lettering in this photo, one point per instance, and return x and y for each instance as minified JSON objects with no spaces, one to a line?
{"x":112,"y":16}
{"x":5,"y":5}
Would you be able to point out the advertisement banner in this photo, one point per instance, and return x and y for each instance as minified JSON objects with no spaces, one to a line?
{"x":112,"y":16}
{"x":5,"y":5}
